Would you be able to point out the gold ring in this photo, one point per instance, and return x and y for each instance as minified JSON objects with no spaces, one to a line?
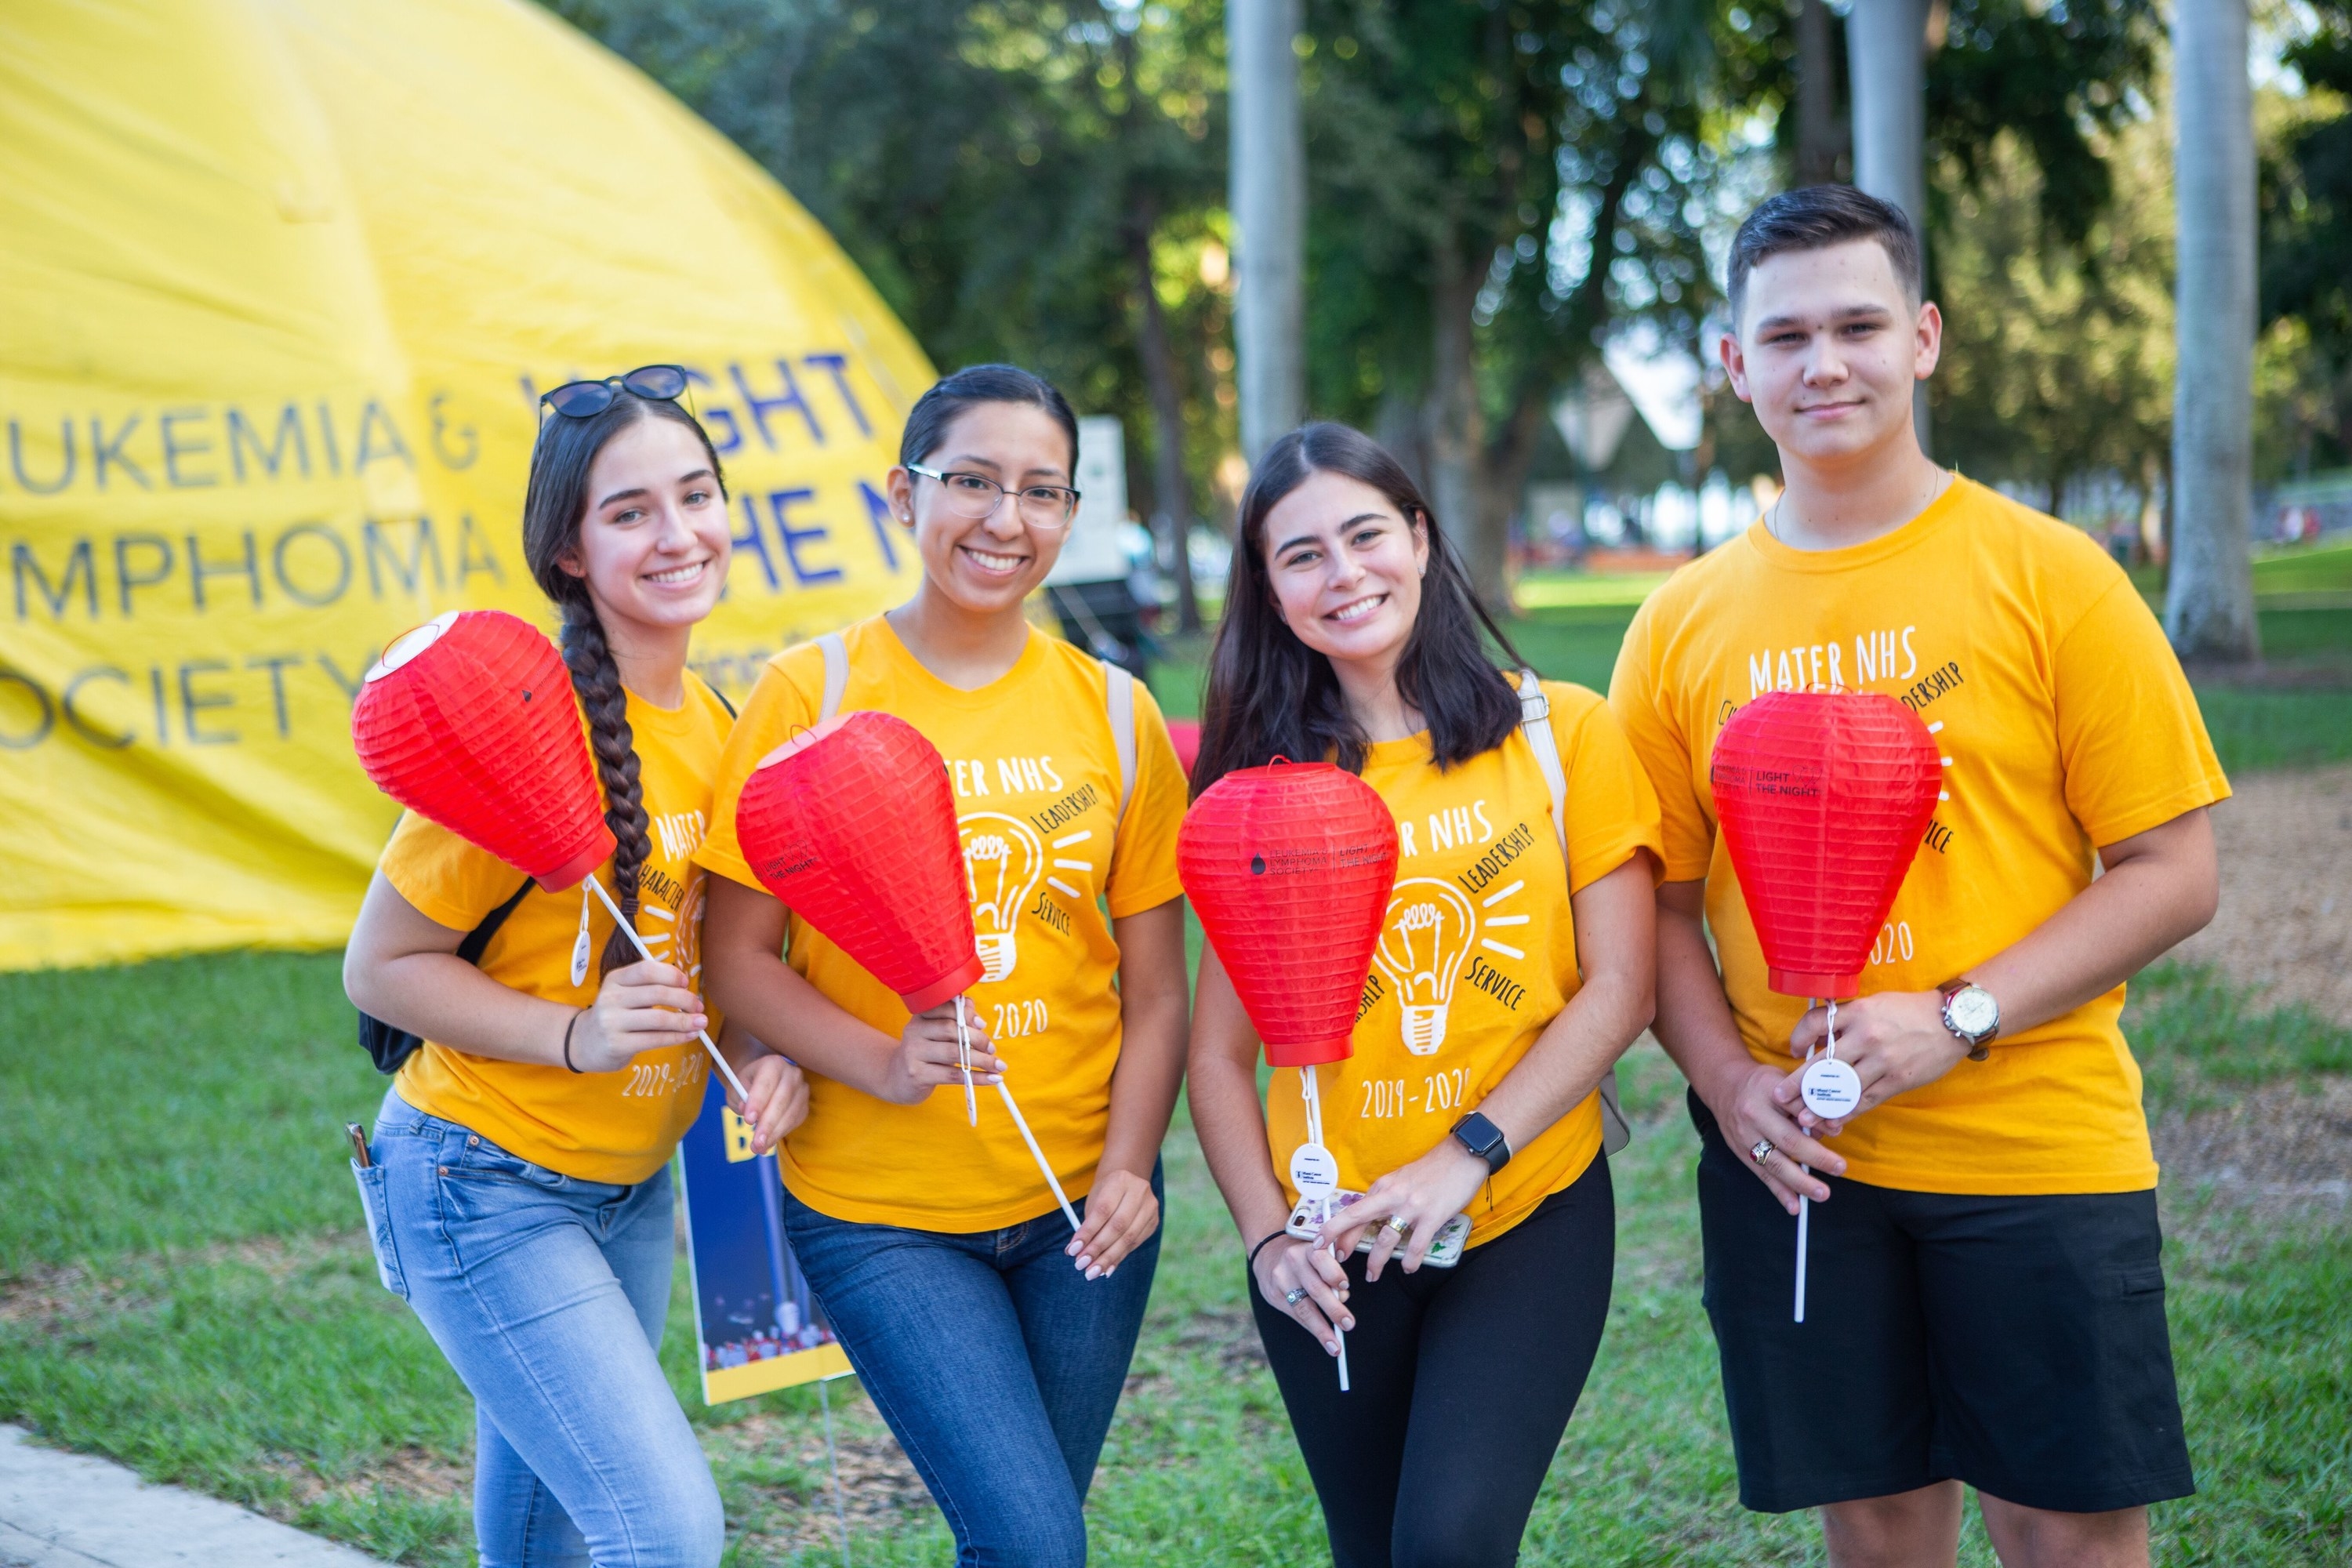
{"x":1399,"y":1224}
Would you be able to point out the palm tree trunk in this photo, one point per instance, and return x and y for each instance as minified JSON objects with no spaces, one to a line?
{"x":1456,"y":439}
{"x":2209,"y":608}
{"x":1818,"y":142}
{"x":1172,"y":486}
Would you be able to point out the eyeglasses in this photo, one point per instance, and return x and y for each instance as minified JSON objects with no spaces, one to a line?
{"x":579,"y":399}
{"x":976,"y":496}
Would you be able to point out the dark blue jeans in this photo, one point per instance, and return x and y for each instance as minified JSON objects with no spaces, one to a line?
{"x":996,"y":1362}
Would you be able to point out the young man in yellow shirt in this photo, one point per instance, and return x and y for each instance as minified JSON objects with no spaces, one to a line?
{"x":1986,"y":1302}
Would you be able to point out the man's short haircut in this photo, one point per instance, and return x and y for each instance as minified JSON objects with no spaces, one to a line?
{"x":1814,"y":217}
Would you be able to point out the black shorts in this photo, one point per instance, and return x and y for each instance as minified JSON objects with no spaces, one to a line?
{"x":2014,"y":1343}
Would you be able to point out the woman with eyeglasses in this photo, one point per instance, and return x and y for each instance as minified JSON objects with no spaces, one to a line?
{"x":1513,"y":967}
{"x":992,"y":1339}
{"x":519,"y":1188}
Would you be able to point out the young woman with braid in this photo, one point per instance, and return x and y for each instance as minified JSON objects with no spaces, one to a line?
{"x":525,"y":1146}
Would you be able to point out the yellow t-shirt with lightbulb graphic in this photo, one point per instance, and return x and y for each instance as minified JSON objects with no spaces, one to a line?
{"x":1477,"y":955}
{"x":2065,"y":722}
{"x":1049,"y":863}
{"x":617,"y":1127}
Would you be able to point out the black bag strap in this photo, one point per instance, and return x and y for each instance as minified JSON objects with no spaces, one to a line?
{"x":478,"y":940}
{"x":389,"y":1047}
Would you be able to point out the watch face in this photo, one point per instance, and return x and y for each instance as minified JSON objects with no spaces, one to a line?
{"x":1973,"y":1011}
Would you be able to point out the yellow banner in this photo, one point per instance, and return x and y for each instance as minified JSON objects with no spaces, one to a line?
{"x":281,"y":283}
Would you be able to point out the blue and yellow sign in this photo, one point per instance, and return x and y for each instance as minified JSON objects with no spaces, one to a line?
{"x":280,"y":282}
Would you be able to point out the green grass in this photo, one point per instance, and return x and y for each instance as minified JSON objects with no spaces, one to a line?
{"x":184,"y":1292}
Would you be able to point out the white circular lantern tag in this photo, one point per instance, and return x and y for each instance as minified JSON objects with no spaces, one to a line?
{"x":1830,"y":1089}
{"x":1313,"y":1171}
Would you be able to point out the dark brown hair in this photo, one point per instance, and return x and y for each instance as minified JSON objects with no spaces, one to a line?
{"x":554,"y":506}
{"x":1815,"y":218}
{"x":950,"y":396}
{"x":1270,"y":695}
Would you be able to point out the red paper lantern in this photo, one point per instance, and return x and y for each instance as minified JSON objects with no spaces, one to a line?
{"x":1291,"y":866}
{"x":1824,"y":797}
{"x":852,"y":825}
{"x":469,"y":720}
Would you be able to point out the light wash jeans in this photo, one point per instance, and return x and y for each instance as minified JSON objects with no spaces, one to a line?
{"x":547,"y":1294}
{"x":996,"y":1362}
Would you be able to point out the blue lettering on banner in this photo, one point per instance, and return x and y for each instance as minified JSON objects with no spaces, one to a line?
{"x":199,"y":569}
{"x":423,"y":549}
{"x":440,"y":434}
{"x":306,"y":598}
{"x":69,"y":705}
{"x":474,"y":553}
{"x":753,"y":540}
{"x":369,"y":418}
{"x":837,"y":365}
{"x":13,"y":679}
{"x":877,"y":516}
{"x":192,"y":703}
{"x":125,"y":580}
{"x":790,"y":397}
{"x":270,"y":458}
{"x":105,"y":454}
{"x":778,"y":503}
{"x":168,"y":425}
{"x":728,"y":438}
{"x":65,"y":465}
{"x":21,"y":561}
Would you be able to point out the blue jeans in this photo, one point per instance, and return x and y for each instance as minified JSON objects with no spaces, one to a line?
{"x":996,"y":1362}
{"x":547,"y":1294}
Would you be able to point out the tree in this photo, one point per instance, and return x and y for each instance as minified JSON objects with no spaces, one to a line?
{"x":2208,"y":609}
{"x":1009,"y":176}
{"x":1493,"y":186}
{"x":2307,"y":219}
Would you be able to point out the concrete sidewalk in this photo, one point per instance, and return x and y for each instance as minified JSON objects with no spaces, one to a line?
{"x":67,"y":1510}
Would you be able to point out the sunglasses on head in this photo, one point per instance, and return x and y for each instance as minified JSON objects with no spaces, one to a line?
{"x":579,"y":399}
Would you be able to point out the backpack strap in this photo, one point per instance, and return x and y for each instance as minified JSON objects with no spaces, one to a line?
{"x":1535,"y":724}
{"x":837,"y":674}
{"x":1119,"y":698}
{"x":478,"y":940}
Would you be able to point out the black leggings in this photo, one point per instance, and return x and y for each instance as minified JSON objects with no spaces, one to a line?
{"x":1463,"y":1382}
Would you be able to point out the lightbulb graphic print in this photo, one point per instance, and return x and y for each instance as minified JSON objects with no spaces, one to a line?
{"x":1428,"y":933}
{"x":1002,"y":862}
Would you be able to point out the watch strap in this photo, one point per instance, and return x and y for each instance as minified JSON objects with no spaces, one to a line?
{"x":1477,"y":1133}
{"x":1979,"y":1048}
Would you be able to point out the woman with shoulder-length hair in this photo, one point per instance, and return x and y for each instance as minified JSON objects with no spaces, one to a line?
{"x":993,"y":1340}
{"x":520,"y":1177}
{"x":1514,"y":968}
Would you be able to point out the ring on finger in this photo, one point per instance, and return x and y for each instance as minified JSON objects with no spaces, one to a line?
{"x":1762,"y":1151}
{"x":1293,"y":1297}
{"x":1401,"y":1226}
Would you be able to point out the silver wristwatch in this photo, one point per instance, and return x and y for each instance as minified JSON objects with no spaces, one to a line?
{"x":1971,"y":1015}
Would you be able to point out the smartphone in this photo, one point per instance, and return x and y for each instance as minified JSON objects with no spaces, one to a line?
{"x":358,"y":1135}
{"x":1306,"y":1222}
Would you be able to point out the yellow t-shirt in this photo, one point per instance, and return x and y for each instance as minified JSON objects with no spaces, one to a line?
{"x":1050,"y":863}
{"x":614,"y":1127}
{"x":1477,"y":955}
{"x":2065,"y":723}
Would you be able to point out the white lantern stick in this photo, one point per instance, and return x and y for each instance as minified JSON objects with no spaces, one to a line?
{"x":646,"y":954}
{"x":963,"y":1059}
{"x":1311,"y":1093}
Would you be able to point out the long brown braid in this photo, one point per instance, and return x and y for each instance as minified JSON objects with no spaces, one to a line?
{"x":597,"y":680}
{"x":554,"y":507}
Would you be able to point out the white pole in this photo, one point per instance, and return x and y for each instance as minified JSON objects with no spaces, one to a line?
{"x":1267,"y":164}
{"x":643,"y":952}
{"x":1886,"y":42}
{"x":2208,"y":603}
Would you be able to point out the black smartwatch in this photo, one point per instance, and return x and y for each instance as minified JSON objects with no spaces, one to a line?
{"x":1484,"y":1139}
